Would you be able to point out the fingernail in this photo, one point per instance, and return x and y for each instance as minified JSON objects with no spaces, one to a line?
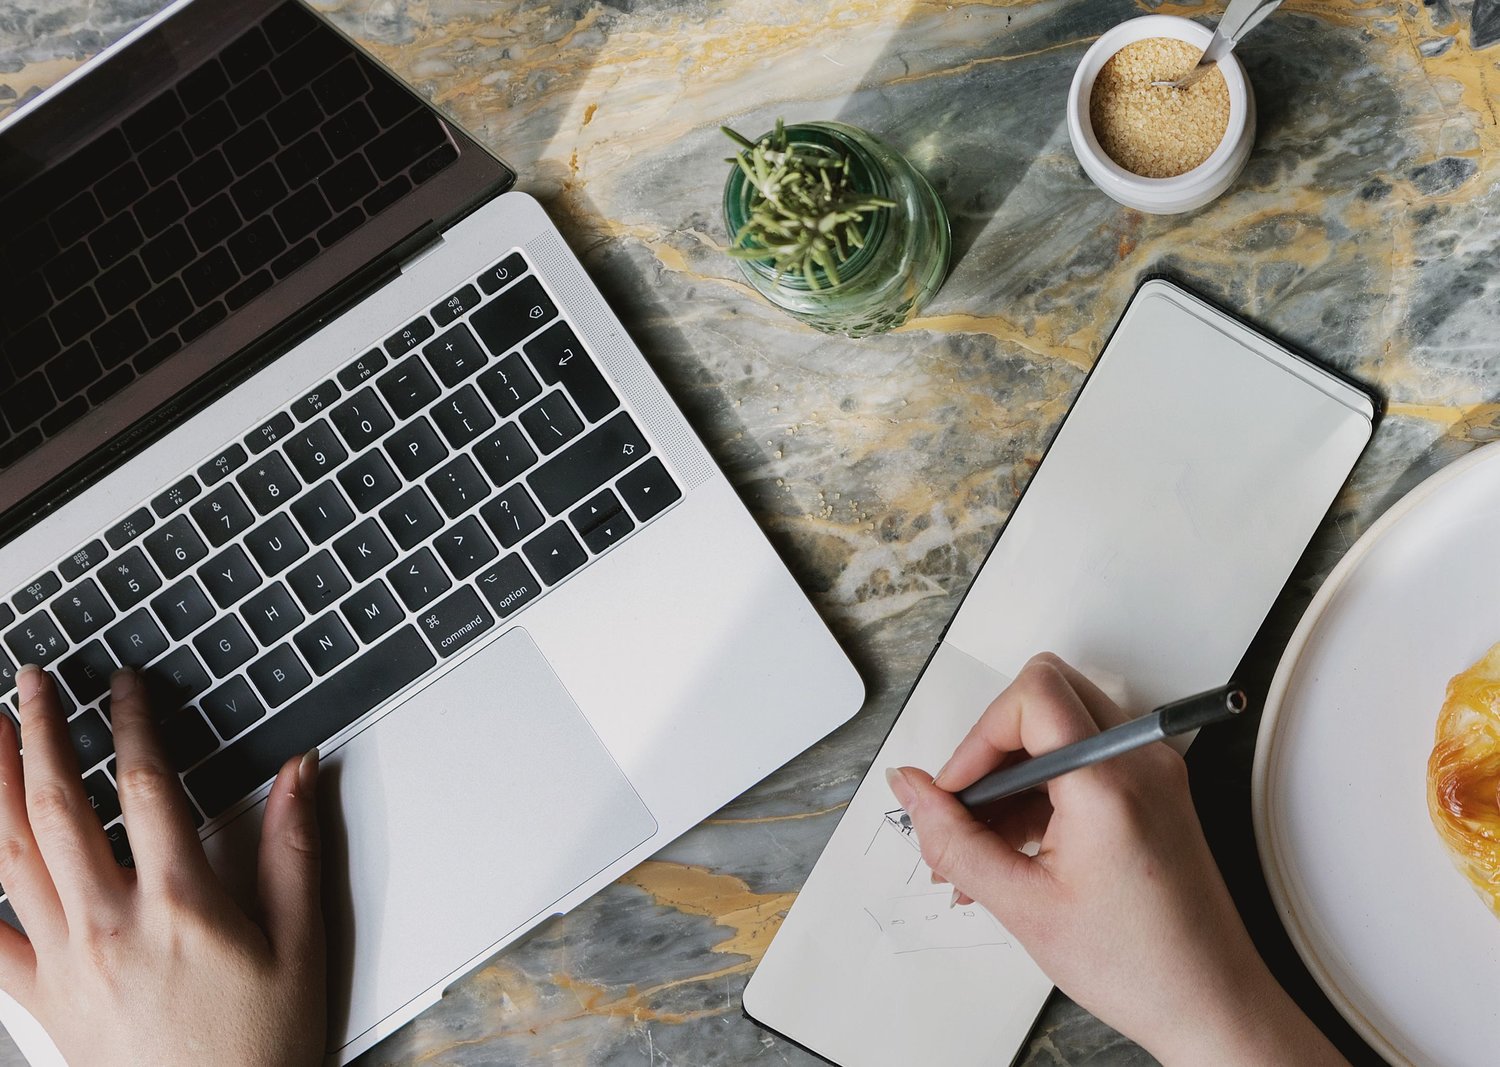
{"x":121,"y":683}
{"x":901,"y":788}
{"x":937,"y":779}
{"x":307,"y":771}
{"x":28,"y":681}
{"x":953,"y":900}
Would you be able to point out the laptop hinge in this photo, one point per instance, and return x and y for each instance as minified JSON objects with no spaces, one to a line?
{"x":433,"y":244}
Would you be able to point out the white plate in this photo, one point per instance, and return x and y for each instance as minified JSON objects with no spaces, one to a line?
{"x":1392,"y":932}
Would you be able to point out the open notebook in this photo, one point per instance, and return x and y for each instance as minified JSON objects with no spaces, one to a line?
{"x":1164,"y":520}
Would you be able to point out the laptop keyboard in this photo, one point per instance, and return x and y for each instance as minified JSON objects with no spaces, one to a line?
{"x":345,"y":545}
{"x":202,"y":199}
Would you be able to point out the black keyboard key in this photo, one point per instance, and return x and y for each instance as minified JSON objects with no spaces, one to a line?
{"x":119,"y":844}
{"x":129,"y":578}
{"x":164,"y":307}
{"x":81,"y":214}
{"x":175,"y":547}
{"x":160,"y":208}
{"x":314,"y":53}
{"x":67,"y":272}
{"x":278,"y":676}
{"x":222,"y":465}
{"x":325,"y":643}
{"x":287,"y":25}
{"x":182,"y":607}
{"x":455,"y":621}
{"x":36,"y":592}
{"x":115,"y":240}
{"x":269,"y":432}
{"x":462,"y":416}
{"x":269,"y":482}
{"x":77,"y":315}
{"x":210,"y":175}
{"x":64,"y":415}
{"x":36,"y":639}
{"x":272,"y":613}
{"x":372,"y":611}
{"x":363,"y":369}
{"x":165,"y":158}
{"x":79,"y":563}
{"x":361,"y":420}
{"x":23,"y":404}
{"x":347,"y":131}
{"x":292,"y":118}
{"x":408,"y":387}
{"x":346,"y":184}
{"x":458,"y":486}
{"x":603,"y":535}
{"x":168,"y":253}
{"x":318,"y":582}
{"x":303,"y":252}
{"x":596,"y":509}
{"x":225,"y":645}
{"x":193,"y":327}
{"x":210,"y":276}
{"x":202,"y":86}
{"x":586,"y":465}
{"x":82,"y":610}
{"x":7,"y":674}
{"x":419,"y":579}
{"x":254,"y":144}
{"x":362,"y":685}
{"x":258,"y":191}
{"x":175,"y":496}
{"x":411,"y":139}
{"x":512,"y":515}
{"x":276,"y":544}
{"x":120,"y":188}
{"x":505,"y":454}
{"x":465,"y":547}
{"x":232,"y":708}
{"x":162,"y":114}
{"x":175,"y":681}
{"x":455,"y":354}
{"x":7,"y":616}
{"x":411,"y":518}
{"x":369,"y":480}
{"x":300,"y":164}
{"x":555,"y":553}
{"x":510,"y":384}
{"x":256,"y":245}
{"x":560,"y":359}
{"x":122,"y":284}
{"x":129,"y":528}
{"x":513,"y":315}
{"x":460,"y":303}
{"x":415,"y":449}
{"x":409,"y":337}
{"x":648,"y":489}
{"x":509,"y":585}
{"x":315,"y":400}
{"x":230,"y":576}
{"x":245,"y":53}
{"x":222,"y":515}
{"x":551,"y":422}
{"x":102,"y":797}
{"x":213,"y":222}
{"x":185,"y":737}
{"x":322,"y":512}
{"x":336,"y":87}
{"x":342,"y":225}
{"x":87,"y":672}
{"x":388,"y":98}
{"x":91,"y":739}
{"x":364,"y":550}
{"x":248,"y":290}
{"x":136,"y":640}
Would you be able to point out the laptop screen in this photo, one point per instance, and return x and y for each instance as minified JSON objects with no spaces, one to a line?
{"x":207,"y":161}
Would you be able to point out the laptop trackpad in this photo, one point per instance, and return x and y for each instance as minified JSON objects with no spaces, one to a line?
{"x":476,"y":805}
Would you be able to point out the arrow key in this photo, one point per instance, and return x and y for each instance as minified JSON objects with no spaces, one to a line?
{"x":555,"y":553}
{"x":648,"y":489}
{"x":599,"y":508}
{"x":606,"y":533}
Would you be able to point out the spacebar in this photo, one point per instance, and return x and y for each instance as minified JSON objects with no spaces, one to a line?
{"x":311,"y":719}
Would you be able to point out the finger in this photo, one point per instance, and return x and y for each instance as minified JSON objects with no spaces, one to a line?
{"x":962,"y":850}
{"x":1103,"y":709}
{"x":22,"y":872}
{"x":163,"y":840}
{"x":1038,"y":712}
{"x":67,"y":832}
{"x":290,"y":867}
{"x":1020,"y":820}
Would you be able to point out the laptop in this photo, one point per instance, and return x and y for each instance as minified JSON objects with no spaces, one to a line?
{"x":307,"y":416}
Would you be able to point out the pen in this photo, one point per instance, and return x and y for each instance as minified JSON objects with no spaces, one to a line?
{"x":1178,"y":717}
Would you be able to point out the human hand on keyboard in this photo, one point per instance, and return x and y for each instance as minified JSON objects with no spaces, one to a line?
{"x":155,"y":965}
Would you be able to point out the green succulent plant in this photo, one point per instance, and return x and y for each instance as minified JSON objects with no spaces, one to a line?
{"x":805,"y":215}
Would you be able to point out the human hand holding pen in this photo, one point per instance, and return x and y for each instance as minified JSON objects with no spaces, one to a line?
{"x":155,"y":965}
{"x":1121,"y":905}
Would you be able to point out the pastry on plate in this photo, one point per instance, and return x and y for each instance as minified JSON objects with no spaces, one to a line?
{"x":1463,"y":775}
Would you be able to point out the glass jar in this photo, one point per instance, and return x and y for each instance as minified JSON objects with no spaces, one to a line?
{"x":905,"y":255}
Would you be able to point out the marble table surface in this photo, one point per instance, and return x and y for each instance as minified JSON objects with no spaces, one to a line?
{"x":1362,"y":231}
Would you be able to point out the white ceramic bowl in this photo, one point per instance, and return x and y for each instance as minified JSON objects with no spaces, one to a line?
{"x":1187,"y":191}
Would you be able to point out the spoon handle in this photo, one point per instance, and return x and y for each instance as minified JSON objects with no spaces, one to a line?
{"x":1240,"y":18}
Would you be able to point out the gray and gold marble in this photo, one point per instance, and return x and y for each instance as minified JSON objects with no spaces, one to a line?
{"x":1363,"y":231}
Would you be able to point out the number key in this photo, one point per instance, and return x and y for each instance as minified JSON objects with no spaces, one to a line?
{"x":129,"y":578}
{"x":82,"y":609}
{"x":222,"y":515}
{"x":269,"y":483}
{"x":361,"y":420}
{"x":175,"y":547}
{"x":36,"y":640}
{"x":315,"y":450}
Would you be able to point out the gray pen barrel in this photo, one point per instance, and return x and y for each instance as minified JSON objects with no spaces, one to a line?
{"x":1035,"y":771}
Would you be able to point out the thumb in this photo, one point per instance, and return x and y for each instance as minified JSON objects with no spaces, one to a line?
{"x":290,"y":867}
{"x":960,"y":849}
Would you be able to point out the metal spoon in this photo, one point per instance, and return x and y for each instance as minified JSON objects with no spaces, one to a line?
{"x":1239,"y":19}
